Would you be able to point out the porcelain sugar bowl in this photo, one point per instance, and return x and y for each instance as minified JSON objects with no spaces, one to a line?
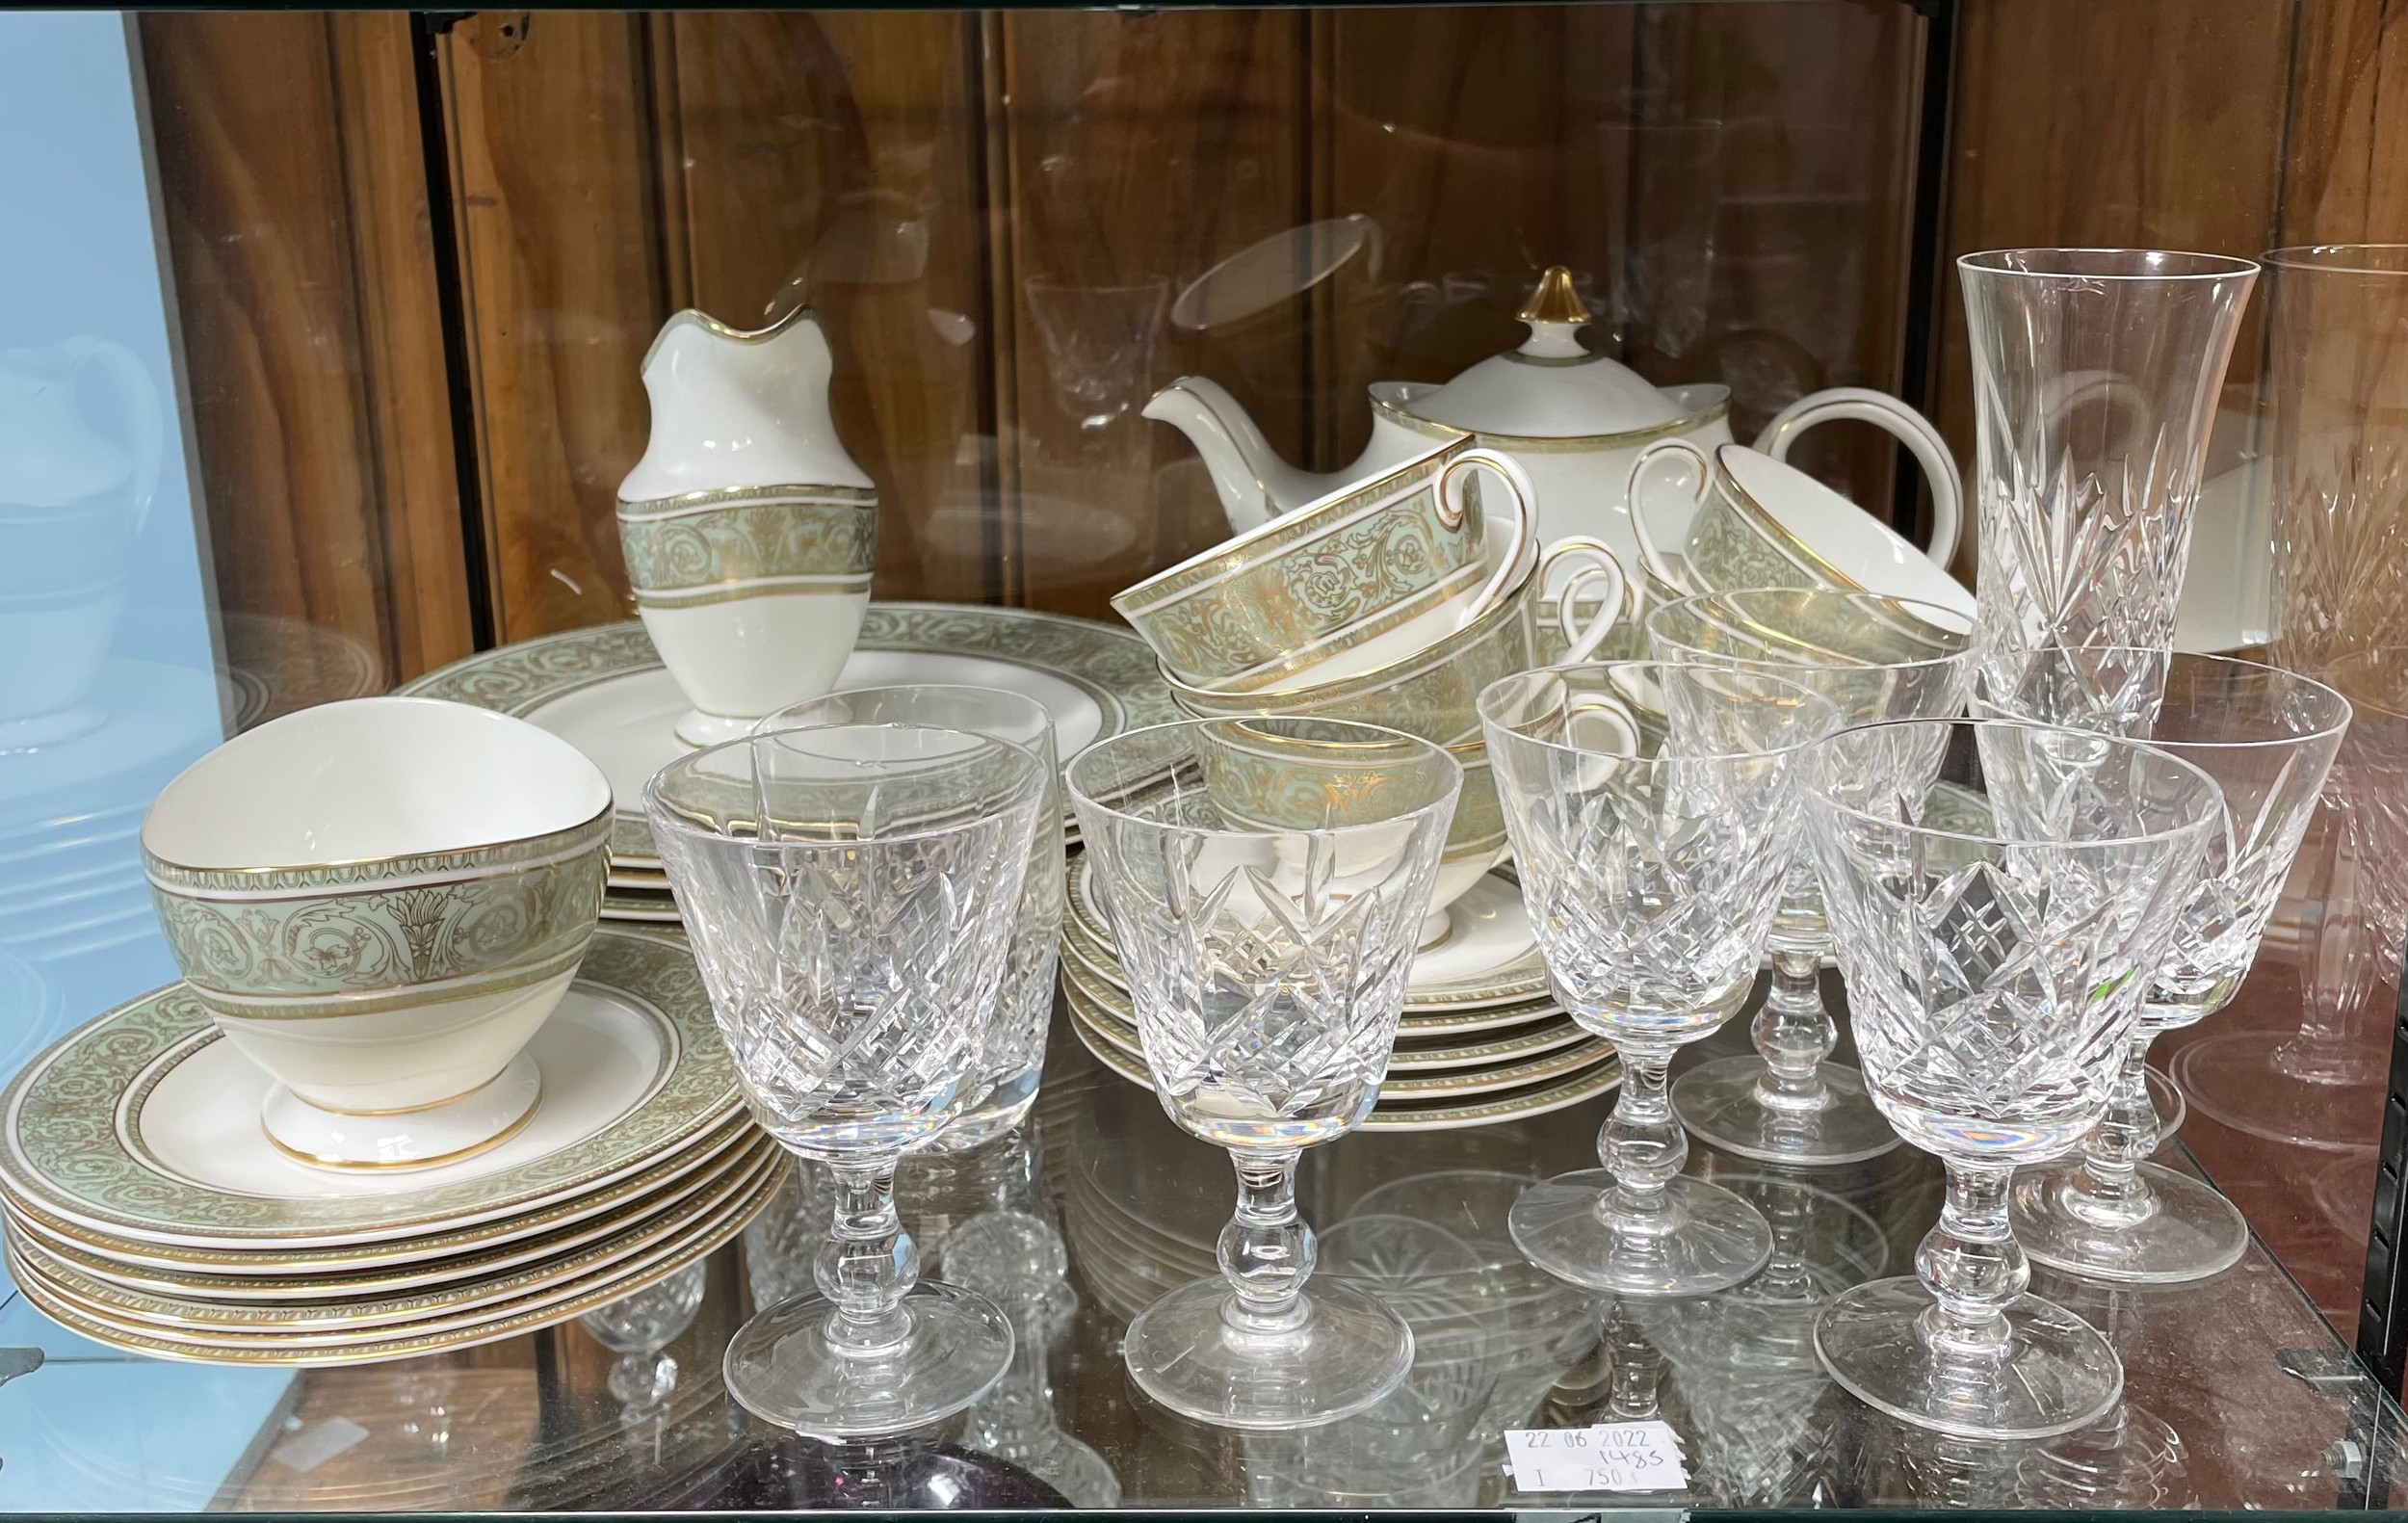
{"x":749,"y":534}
{"x":379,"y":901}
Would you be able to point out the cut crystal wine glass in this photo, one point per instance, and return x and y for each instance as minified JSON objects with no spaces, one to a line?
{"x":1993,"y":977}
{"x":848,"y":891}
{"x":1654,"y":814}
{"x":1266,"y":899}
{"x":1874,"y":658}
{"x":1016,"y":1043}
{"x":2268,"y":738}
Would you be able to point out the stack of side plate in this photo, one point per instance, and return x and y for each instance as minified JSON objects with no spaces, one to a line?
{"x":1482,"y":1041}
{"x":146,"y":1208}
{"x":604,"y":691}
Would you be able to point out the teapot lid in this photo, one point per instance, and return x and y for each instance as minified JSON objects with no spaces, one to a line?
{"x":1550,"y":387}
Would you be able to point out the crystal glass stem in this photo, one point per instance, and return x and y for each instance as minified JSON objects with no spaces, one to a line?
{"x":1795,"y":1033}
{"x":2320,"y":1051}
{"x":1641,"y":1146}
{"x":869,"y":1263}
{"x":1265,"y":1251}
{"x":2110,"y":1190}
{"x":1974,"y":1268}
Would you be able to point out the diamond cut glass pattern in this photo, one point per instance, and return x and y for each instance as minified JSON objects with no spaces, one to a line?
{"x":1996,"y":971}
{"x":1266,"y":898}
{"x":1653,"y":810}
{"x":849,"y":890}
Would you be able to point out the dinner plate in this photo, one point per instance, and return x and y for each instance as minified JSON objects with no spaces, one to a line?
{"x":604,"y":689}
{"x":269,"y":1276}
{"x":1414,"y":1116}
{"x":1489,"y":958}
{"x":406,"y":1339}
{"x":194,"y":1309}
{"x":144,"y":1123}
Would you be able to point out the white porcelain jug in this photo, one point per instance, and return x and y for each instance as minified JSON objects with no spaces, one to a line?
{"x":1574,"y":419}
{"x":749,"y":534}
{"x":71,"y":503}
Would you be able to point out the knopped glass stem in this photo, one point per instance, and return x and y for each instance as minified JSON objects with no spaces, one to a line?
{"x":1973,"y":1269}
{"x":2340,"y":972}
{"x":1265,"y":1251}
{"x":869,"y":1263}
{"x":1641,"y":1145}
{"x":1795,"y":1033}
{"x":2108,"y":1189}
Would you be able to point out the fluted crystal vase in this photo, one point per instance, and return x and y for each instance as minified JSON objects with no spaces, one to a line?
{"x":2095,"y":380}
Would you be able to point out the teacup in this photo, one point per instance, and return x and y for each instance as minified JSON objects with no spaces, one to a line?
{"x":379,"y":901}
{"x":753,"y":596}
{"x":1257,"y":611}
{"x":1760,"y":522}
{"x":1435,"y":694}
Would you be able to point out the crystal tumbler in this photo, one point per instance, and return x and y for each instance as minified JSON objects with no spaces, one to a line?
{"x":1266,"y":899}
{"x":848,"y":891}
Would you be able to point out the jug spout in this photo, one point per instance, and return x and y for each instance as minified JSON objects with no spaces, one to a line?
{"x":1253,"y":482}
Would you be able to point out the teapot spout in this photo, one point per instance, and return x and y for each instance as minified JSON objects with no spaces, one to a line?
{"x":1255,"y":486}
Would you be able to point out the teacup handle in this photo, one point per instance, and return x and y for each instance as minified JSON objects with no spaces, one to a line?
{"x":1634,"y":489}
{"x":1619,"y":603}
{"x":1608,"y":711}
{"x":1862,"y":404}
{"x":1452,"y":500}
{"x":131,"y":378}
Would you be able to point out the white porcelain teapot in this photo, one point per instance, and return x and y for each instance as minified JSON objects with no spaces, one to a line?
{"x":1574,"y":419}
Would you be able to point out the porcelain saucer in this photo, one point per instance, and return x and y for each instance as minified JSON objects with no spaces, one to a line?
{"x":605,"y":690}
{"x":144,"y":1123}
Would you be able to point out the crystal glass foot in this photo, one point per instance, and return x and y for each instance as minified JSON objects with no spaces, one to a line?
{"x":850,"y":891}
{"x":2236,"y":1079}
{"x":1653,"y":811}
{"x":2052,"y":1374}
{"x":1872,"y":658}
{"x":2184,"y":1229}
{"x":1735,"y":1105}
{"x":2047,"y":928}
{"x":791,"y":1365}
{"x":1267,"y":897}
{"x":2267,"y":738}
{"x":1348,"y":1352}
{"x":1694,"y":1239}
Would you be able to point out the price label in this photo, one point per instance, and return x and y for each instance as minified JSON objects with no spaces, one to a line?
{"x":1610,"y":1456}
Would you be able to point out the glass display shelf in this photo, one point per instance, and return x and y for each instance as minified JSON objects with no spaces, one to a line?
{"x":2238,"y":1394}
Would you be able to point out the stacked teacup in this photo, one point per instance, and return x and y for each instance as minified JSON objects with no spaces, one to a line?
{"x":1391,"y":602}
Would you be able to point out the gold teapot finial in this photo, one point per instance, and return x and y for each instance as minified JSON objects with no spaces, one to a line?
{"x":1555,"y":300}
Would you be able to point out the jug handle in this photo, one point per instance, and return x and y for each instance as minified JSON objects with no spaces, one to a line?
{"x":142,"y":416}
{"x":1452,"y":500}
{"x":1862,"y":404}
{"x":1634,"y":492}
{"x":1620,"y":602}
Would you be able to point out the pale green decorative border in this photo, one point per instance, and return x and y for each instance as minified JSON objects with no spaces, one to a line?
{"x":1111,"y":666}
{"x":63,"y":1121}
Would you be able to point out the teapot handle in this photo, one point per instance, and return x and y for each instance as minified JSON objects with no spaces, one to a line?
{"x":1620,"y":602}
{"x":142,"y":416}
{"x":1635,"y":491}
{"x":1862,"y":404}
{"x":1452,"y":500}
